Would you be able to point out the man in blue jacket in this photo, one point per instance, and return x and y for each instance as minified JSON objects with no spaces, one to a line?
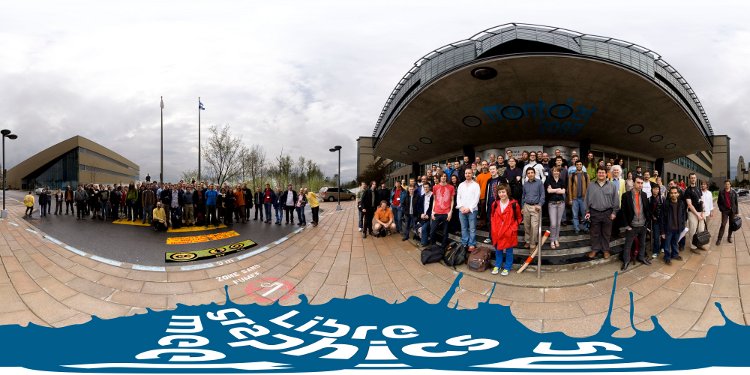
{"x":211,"y":195}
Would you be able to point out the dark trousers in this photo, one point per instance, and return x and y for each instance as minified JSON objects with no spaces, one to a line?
{"x":80,"y":208}
{"x":267,"y":208}
{"x":726,"y":216}
{"x":289,"y":212}
{"x":258,"y":211}
{"x":440,"y":220}
{"x":58,"y":207}
{"x":248,"y":207}
{"x":211,"y":215}
{"x":408,"y":224}
{"x":601,"y":230}
{"x":630,"y":236}
{"x":315,"y":211}
{"x":368,"y":220}
{"x":29,"y":211}
{"x":69,"y":205}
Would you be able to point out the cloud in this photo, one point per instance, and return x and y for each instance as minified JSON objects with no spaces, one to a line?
{"x":293,"y":75}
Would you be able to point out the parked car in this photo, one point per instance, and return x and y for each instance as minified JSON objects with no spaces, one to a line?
{"x":330,"y":194}
{"x":38,"y":190}
{"x":743,"y":192}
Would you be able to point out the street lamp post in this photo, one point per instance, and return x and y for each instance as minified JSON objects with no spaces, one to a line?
{"x":6,"y":134}
{"x":334,"y":149}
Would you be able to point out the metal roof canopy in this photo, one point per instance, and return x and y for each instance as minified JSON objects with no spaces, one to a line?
{"x":637,"y":66}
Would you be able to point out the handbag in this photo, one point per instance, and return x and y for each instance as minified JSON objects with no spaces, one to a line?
{"x":702,"y":238}
{"x":735,"y":224}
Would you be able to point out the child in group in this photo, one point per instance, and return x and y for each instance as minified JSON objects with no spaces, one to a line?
{"x":506,"y":216}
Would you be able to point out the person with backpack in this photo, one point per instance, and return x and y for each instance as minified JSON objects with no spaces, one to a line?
{"x":506,"y":217}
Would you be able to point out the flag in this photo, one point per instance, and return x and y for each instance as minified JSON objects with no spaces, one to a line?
{"x":200,"y":106}
{"x":162,"y":102}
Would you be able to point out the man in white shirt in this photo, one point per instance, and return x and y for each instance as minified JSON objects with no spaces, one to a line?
{"x":467,"y":202}
{"x":647,"y":183}
{"x":708,"y":201}
{"x":538,"y":168}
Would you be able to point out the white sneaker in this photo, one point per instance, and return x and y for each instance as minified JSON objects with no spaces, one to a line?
{"x":359,"y":230}
{"x":495,"y":271}
{"x":487,"y":240}
{"x":504,"y":273}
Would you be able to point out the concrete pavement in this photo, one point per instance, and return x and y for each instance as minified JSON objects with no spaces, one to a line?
{"x":45,"y":283}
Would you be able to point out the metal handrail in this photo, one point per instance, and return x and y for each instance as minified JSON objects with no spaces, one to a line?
{"x":539,"y":243}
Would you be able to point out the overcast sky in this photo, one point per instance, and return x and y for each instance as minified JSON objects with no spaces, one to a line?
{"x":300,"y":75}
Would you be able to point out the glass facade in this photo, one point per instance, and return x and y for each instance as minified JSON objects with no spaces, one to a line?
{"x":58,"y":173}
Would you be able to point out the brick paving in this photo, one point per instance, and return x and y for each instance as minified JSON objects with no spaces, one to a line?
{"x":44,"y":283}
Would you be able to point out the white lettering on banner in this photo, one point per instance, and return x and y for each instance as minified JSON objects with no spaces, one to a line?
{"x":577,"y":355}
{"x":192,"y":324}
{"x":249,"y":333}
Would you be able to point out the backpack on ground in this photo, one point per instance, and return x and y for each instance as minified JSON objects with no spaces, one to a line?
{"x":479,"y":259}
{"x":432,"y":254}
{"x":455,"y":255}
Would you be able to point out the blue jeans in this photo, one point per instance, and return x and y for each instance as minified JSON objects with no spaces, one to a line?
{"x":279,"y":213}
{"x":426,"y":229}
{"x":578,"y":209}
{"x":267,"y":207}
{"x":656,"y":237}
{"x":409,"y":224}
{"x":468,"y":228}
{"x":359,"y":221}
{"x":397,"y":217}
{"x":301,"y":215}
{"x":671,"y":248}
{"x":508,"y":258}
{"x":440,"y":220}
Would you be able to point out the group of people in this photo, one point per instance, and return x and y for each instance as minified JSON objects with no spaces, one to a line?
{"x":504,"y":192}
{"x":180,"y":204}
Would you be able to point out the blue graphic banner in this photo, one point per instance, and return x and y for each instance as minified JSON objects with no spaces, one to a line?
{"x":361,"y":333}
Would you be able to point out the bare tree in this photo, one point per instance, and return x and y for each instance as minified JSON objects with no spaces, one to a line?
{"x":284,"y":168}
{"x":223,"y":154}
{"x":255,"y":163}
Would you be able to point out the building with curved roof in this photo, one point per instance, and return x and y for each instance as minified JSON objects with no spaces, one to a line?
{"x":520,"y":86}
{"x":74,"y":161}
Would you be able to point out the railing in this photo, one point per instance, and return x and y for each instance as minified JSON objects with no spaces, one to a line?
{"x":539,"y":249}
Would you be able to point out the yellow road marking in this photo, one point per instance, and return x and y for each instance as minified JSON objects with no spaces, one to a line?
{"x":202,"y":238}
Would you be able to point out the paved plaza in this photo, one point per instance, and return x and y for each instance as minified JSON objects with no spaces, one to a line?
{"x":44,"y":283}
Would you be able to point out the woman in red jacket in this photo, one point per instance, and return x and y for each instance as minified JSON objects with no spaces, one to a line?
{"x":506,"y":215}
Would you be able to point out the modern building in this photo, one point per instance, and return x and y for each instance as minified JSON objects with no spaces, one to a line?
{"x":530,"y":87}
{"x":742,"y":170}
{"x":74,"y":161}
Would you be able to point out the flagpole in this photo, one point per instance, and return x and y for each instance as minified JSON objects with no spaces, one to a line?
{"x":199,"y":139}
{"x":161,"y":169}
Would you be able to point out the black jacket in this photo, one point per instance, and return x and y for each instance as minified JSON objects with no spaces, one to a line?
{"x":284,"y":195}
{"x":429,"y":208}
{"x":258,"y":198}
{"x":732,"y":202}
{"x":627,"y":207}
{"x":668,"y":217}
{"x":367,"y":201}
{"x":384,"y":194}
{"x":411,"y":201}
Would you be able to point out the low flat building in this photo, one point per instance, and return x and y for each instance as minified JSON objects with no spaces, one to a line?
{"x":74,"y":161}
